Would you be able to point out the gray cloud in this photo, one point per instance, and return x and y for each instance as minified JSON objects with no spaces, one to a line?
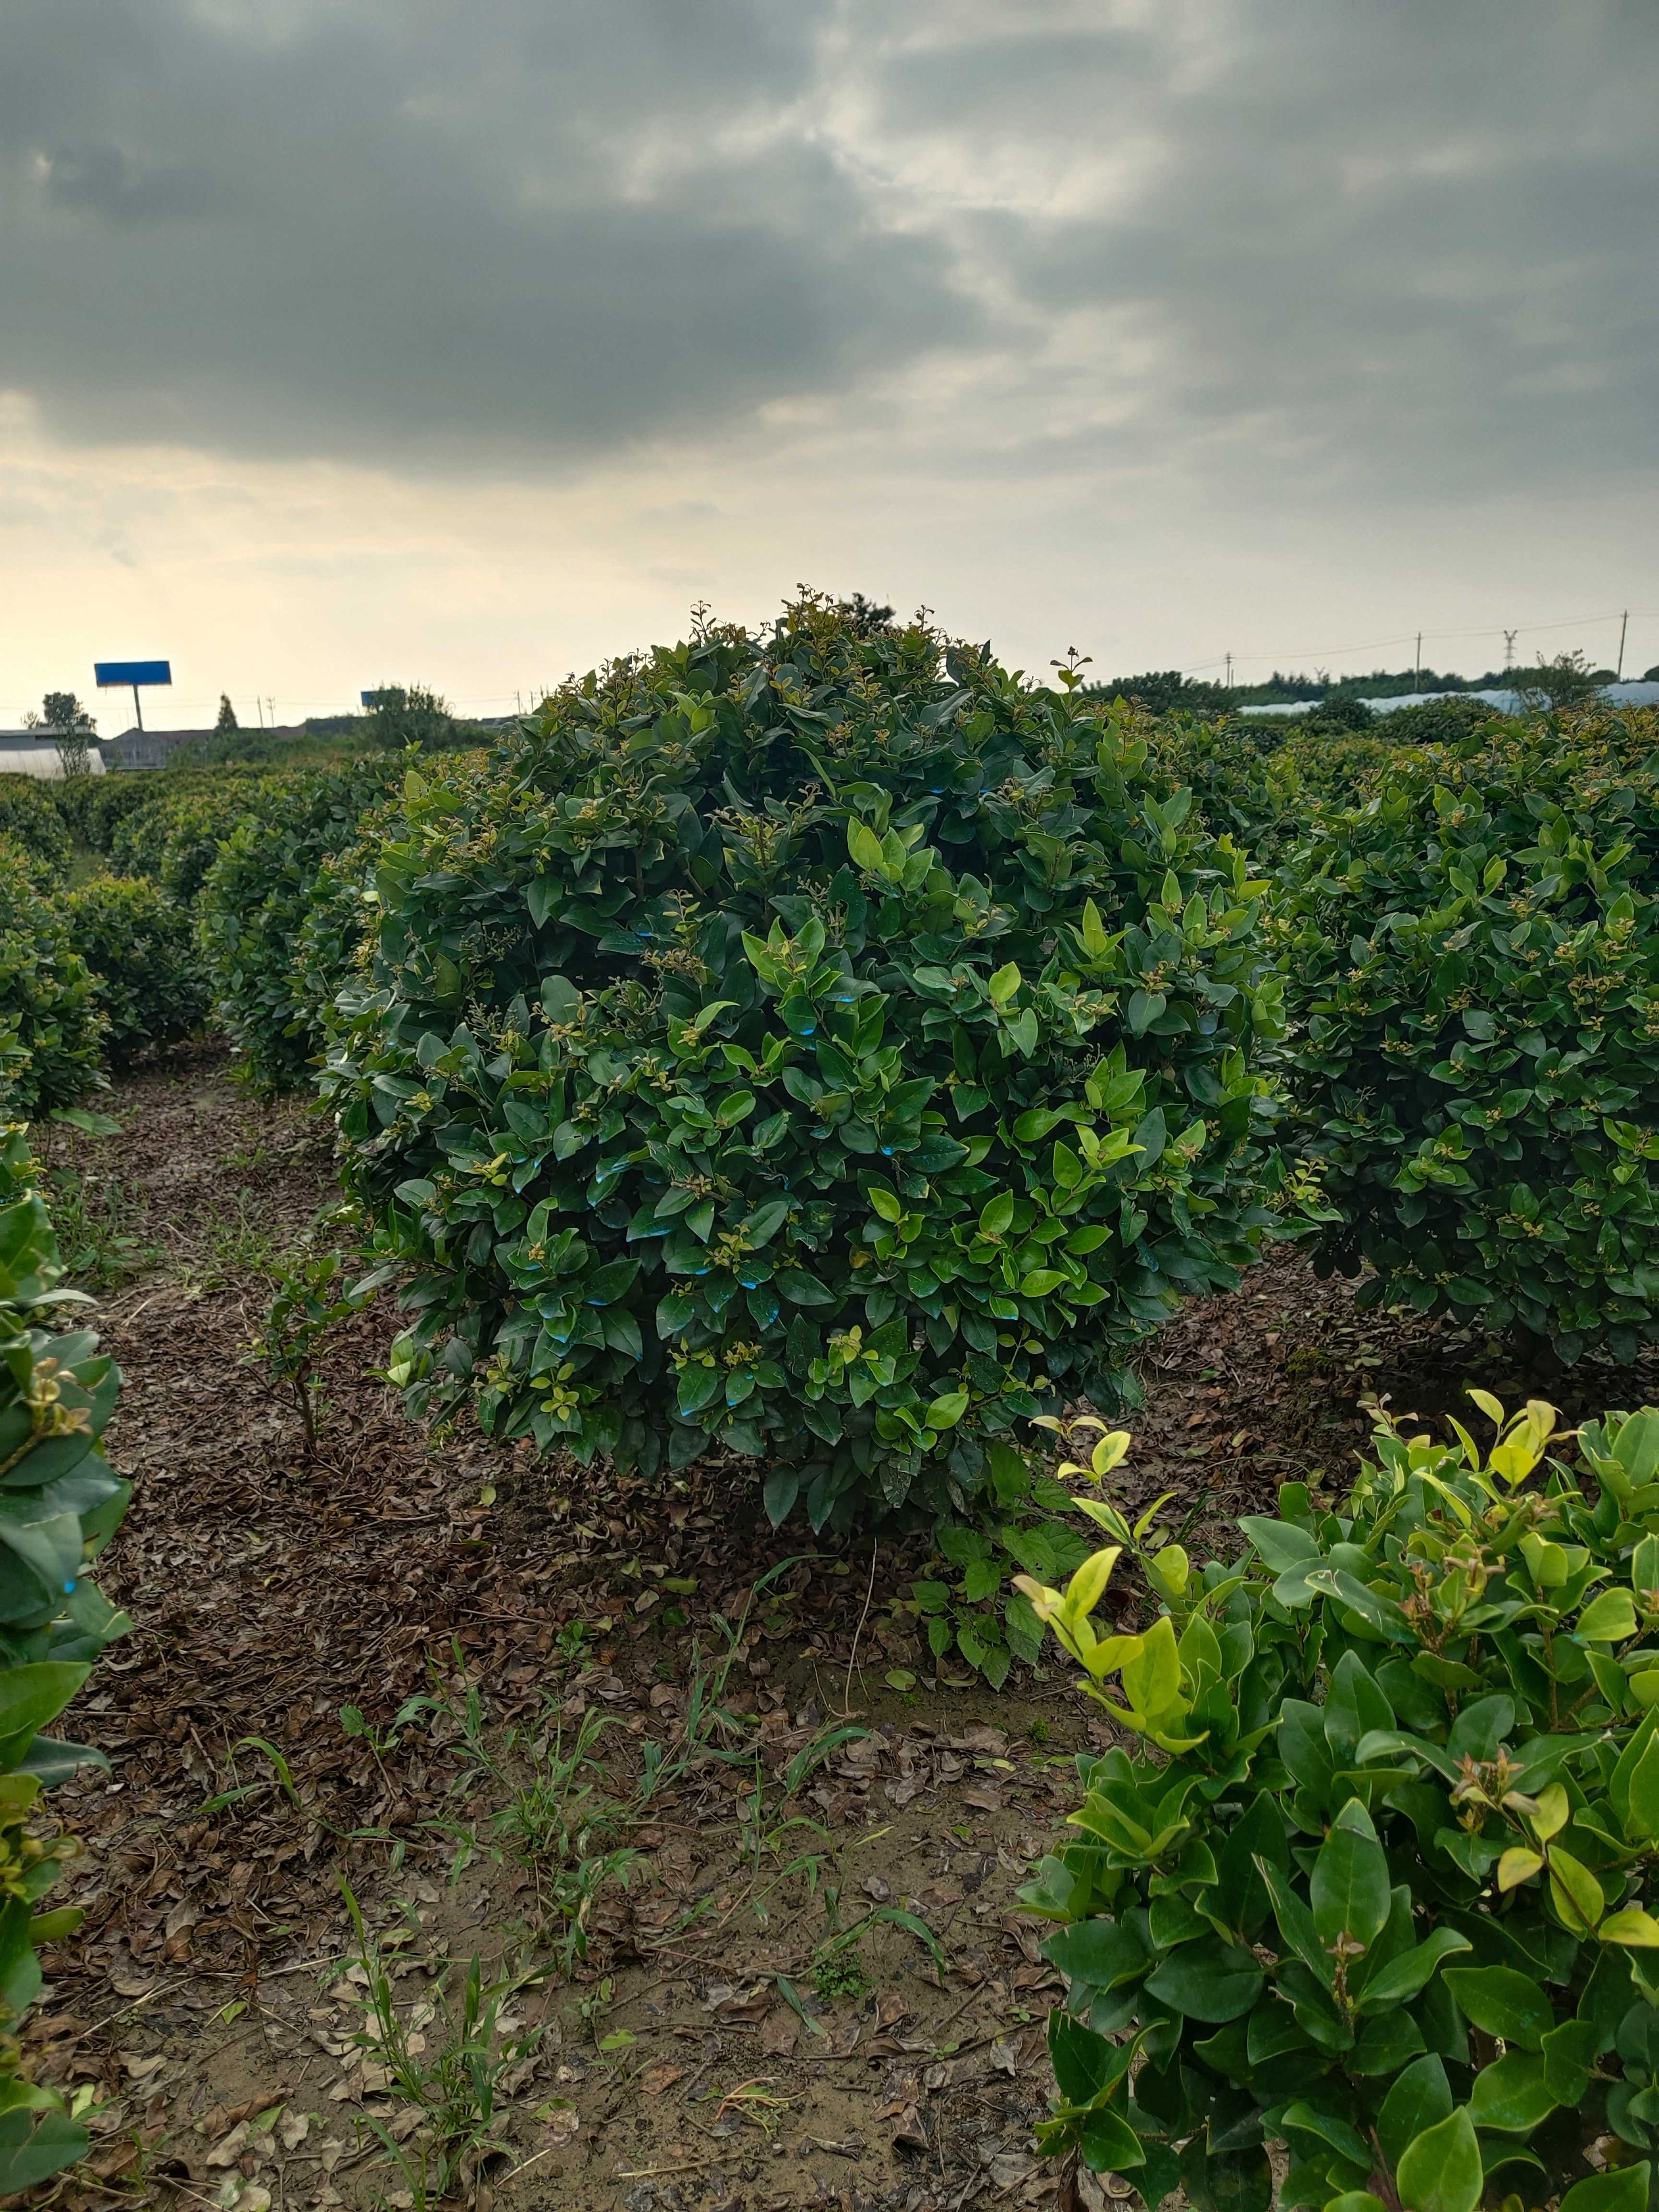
{"x":1257,"y":244}
{"x":423,"y":229}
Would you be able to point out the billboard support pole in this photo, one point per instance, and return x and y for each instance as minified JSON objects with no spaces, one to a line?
{"x":112,"y":675}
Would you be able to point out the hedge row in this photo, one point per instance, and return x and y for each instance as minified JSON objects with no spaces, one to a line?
{"x":62,"y":1504}
{"x":1472,"y":965}
{"x":279,"y":921}
{"x":91,"y":977}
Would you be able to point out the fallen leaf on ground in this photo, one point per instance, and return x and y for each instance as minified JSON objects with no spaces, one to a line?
{"x":230,"y":2147}
{"x":216,"y":2122}
{"x":656,"y":2078}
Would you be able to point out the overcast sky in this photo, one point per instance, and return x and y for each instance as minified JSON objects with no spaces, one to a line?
{"x":347,"y":340}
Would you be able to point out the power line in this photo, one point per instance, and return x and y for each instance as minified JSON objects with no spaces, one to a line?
{"x":1408,"y":637}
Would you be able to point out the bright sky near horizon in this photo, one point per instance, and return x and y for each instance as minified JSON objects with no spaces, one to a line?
{"x":354,"y":341}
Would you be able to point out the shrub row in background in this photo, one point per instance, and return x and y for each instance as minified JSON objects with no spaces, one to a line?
{"x":1374,"y":1879}
{"x":174,"y":836}
{"x":133,"y":931}
{"x":1269,"y":786}
{"x":278,"y":924}
{"x":821,"y":1044}
{"x":31,"y":821}
{"x":1472,"y":962}
{"x":52,"y":1030}
{"x":138,"y":943}
{"x":62,"y":1503}
{"x":94,"y":805}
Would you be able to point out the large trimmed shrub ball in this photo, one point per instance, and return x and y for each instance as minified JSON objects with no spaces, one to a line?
{"x":822,"y":1044}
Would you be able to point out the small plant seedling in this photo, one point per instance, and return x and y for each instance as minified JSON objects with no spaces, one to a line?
{"x":310,"y":1298}
{"x":450,"y":2068}
{"x":842,"y":1974}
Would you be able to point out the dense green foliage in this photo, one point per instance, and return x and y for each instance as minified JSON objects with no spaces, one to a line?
{"x":1472,"y":961}
{"x":51,"y":1030}
{"x":30,"y":817}
{"x":148,"y":979}
{"x":278,"y":929}
{"x":1373,"y":1882}
{"x":92,"y":806}
{"x":59,"y":1505}
{"x":1267,"y":784}
{"x":1437,"y":721}
{"x":823,"y":1045}
{"x":174,"y":836}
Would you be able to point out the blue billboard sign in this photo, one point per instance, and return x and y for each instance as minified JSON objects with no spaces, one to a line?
{"x":110,"y":672}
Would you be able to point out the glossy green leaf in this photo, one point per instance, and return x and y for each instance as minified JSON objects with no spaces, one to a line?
{"x":1101,"y":1952}
{"x":1418,"y":2100}
{"x":1502,"y":2002}
{"x":1512,"y":2093}
{"x":1404,"y":1976}
{"x":1208,"y":1981}
{"x":1440,"y":2170}
{"x":1622,"y":2189}
{"x":1349,"y":1891}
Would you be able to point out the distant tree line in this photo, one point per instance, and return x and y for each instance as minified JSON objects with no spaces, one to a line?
{"x":1565,"y":681}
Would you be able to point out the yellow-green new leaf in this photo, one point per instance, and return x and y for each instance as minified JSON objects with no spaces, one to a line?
{"x":1632,"y":1926}
{"x":1108,"y":1452}
{"x":1517,"y":1866}
{"x":1575,"y":1893}
{"x":1151,"y":1678}
{"x":1608,"y":1618}
{"x":1085,"y":1590}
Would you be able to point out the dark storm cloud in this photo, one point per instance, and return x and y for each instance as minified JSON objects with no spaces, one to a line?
{"x":368,"y":227}
{"x":1383,"y":248}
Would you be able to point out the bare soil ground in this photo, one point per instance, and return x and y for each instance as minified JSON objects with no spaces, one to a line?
{"x":732,"y":2039}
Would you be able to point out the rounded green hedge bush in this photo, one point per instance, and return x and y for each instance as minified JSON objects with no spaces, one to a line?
{"x":175,"y":835}
{"x":1269,"y":784}
{"x":1473,"y":966}
{"x":29,"y":816}
{"x":822,"y":1044}
{"x":138,"y":943}
{"x":50,"y":1028}
{"x":94,"y":805}
{"x":278,"y":927}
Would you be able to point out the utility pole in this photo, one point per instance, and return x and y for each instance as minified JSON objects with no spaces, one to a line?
{"x":1509,"y":636}
{"x":1624,"y":624}
{"x":1229,"y":672}
{"x":272,"y":706}
{"x":1417,"y":665}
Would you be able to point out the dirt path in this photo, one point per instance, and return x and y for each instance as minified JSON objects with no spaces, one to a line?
{"x":734,"y":2038}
